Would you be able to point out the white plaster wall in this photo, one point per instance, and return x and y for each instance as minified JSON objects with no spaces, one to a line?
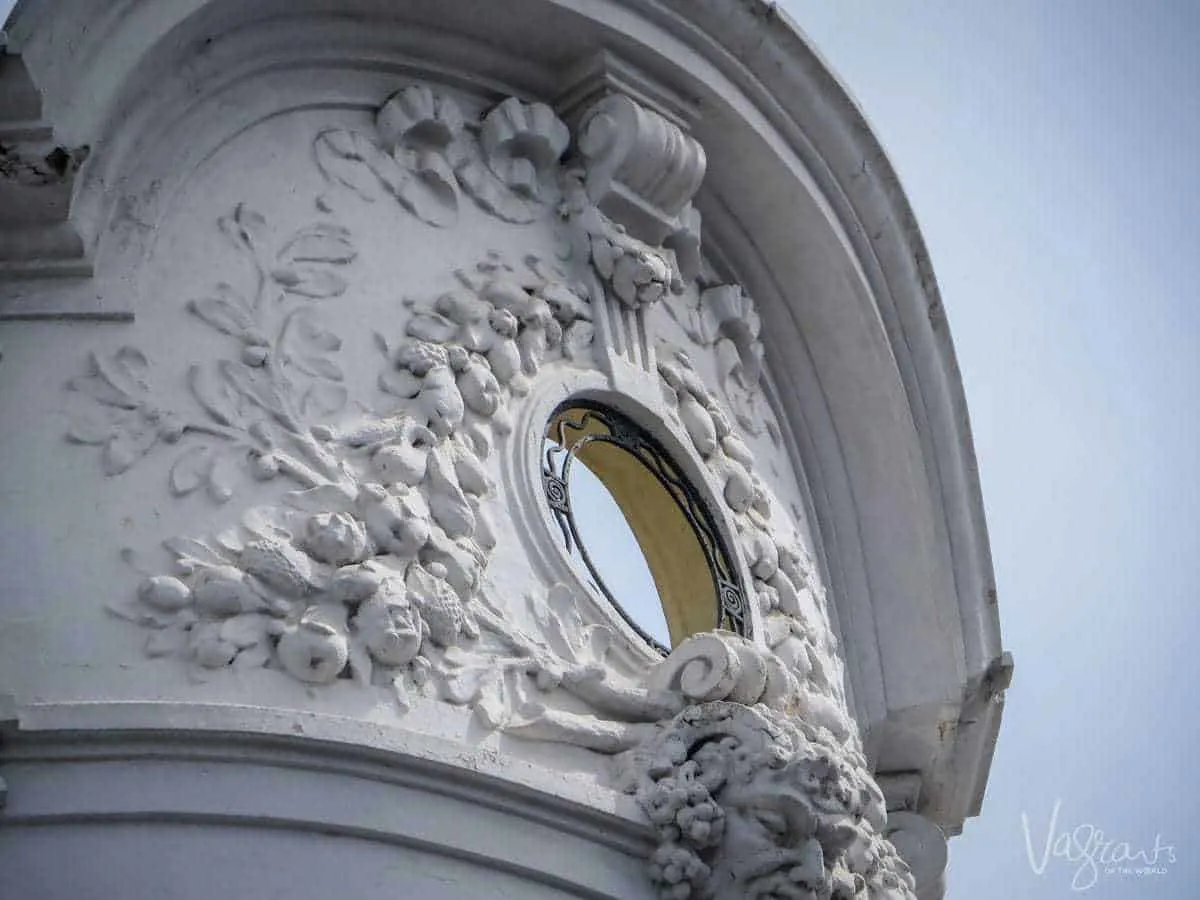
{"x":223,"y":823}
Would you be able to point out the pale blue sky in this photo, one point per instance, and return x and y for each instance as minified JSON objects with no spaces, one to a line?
{"x":1049,"y":149}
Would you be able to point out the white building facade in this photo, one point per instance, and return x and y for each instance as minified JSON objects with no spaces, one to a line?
{"x":308,"y":312}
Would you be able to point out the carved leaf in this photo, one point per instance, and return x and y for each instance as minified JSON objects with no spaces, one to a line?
{"x":171,"y":641}
{"x":577,"y":340}
{"x":400,"y":690}
{"x":463,"y":686}
{"x":190,"y":470}
{"x":472,"y":476}
{"x":322,"y":400}
{"x":132,"y":441}
{"x":244,"y":228}
{"x":216,"y":399}
{"x":431,"y":326}
{"x":597,"y":640}
{"x":229,"y":541}
{"x":253,"y":386}
{"x":193,"y":552}
{"x":140,"y":614}
{"x":493,"y":195}
{"x":260,"y":522}
{"x":253,"y":657}
{"x":314,"y":282}
{"x":222,"y":475}
{"x":562,"y":600}
{"x":244,"y":630}
{"x":431,"y":196}
{"x":319,"y":243}
{"x":118,"y":382}
{"x":315,"y":336}
{"x":324,"y":498}
{"x":556,"y":632}
{"x":352,"y":159}
{"x":447,"y":502}
{"x":485,"y":531}
{"x":91,"y":426}
{"x":492,"y":705}
{"x":699,"y":425}
{"x":225,"y":312}
{"x":320,"y":367}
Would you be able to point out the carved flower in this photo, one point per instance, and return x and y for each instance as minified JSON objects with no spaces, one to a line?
{"x":420,"y":118}
{"x":336,"y":538}
{"x":521,"y":142}
{"x":639,"y":275}
{"x":511,"y":174}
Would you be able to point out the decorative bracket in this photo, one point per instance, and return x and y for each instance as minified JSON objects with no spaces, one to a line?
{"x":643,"y":168}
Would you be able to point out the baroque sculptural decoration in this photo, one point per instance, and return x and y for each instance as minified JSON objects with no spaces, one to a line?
{"x":371,"y":566}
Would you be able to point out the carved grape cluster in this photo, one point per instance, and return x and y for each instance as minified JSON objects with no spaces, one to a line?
{"x":689,"y":821}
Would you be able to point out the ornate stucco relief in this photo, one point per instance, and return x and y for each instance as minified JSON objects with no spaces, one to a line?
{"x":253,"y":410}
{"x":424,"y":153}
{"x":372,"y":565}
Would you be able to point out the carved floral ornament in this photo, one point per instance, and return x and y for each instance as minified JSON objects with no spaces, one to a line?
{"x":371,"y":566}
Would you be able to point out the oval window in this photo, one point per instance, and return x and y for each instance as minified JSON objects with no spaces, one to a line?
{"x":636,"y":526}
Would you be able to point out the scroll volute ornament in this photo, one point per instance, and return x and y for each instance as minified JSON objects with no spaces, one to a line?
{"x":642,"y":169}
{"x":642,"y":172}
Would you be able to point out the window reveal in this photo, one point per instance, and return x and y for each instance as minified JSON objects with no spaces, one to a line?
{"x":694,"y":576}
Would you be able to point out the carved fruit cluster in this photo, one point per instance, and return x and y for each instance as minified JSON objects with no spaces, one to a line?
{"x":373,"y":569}
{"x":466,"y":353}
{"x":713,"y":436}
{"x":347,"y":582}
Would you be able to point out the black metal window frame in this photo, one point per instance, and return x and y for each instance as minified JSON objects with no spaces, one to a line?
{"x":626,"y":434}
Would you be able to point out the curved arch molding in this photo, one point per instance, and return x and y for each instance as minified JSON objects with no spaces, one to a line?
{"x":351,"y":248}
